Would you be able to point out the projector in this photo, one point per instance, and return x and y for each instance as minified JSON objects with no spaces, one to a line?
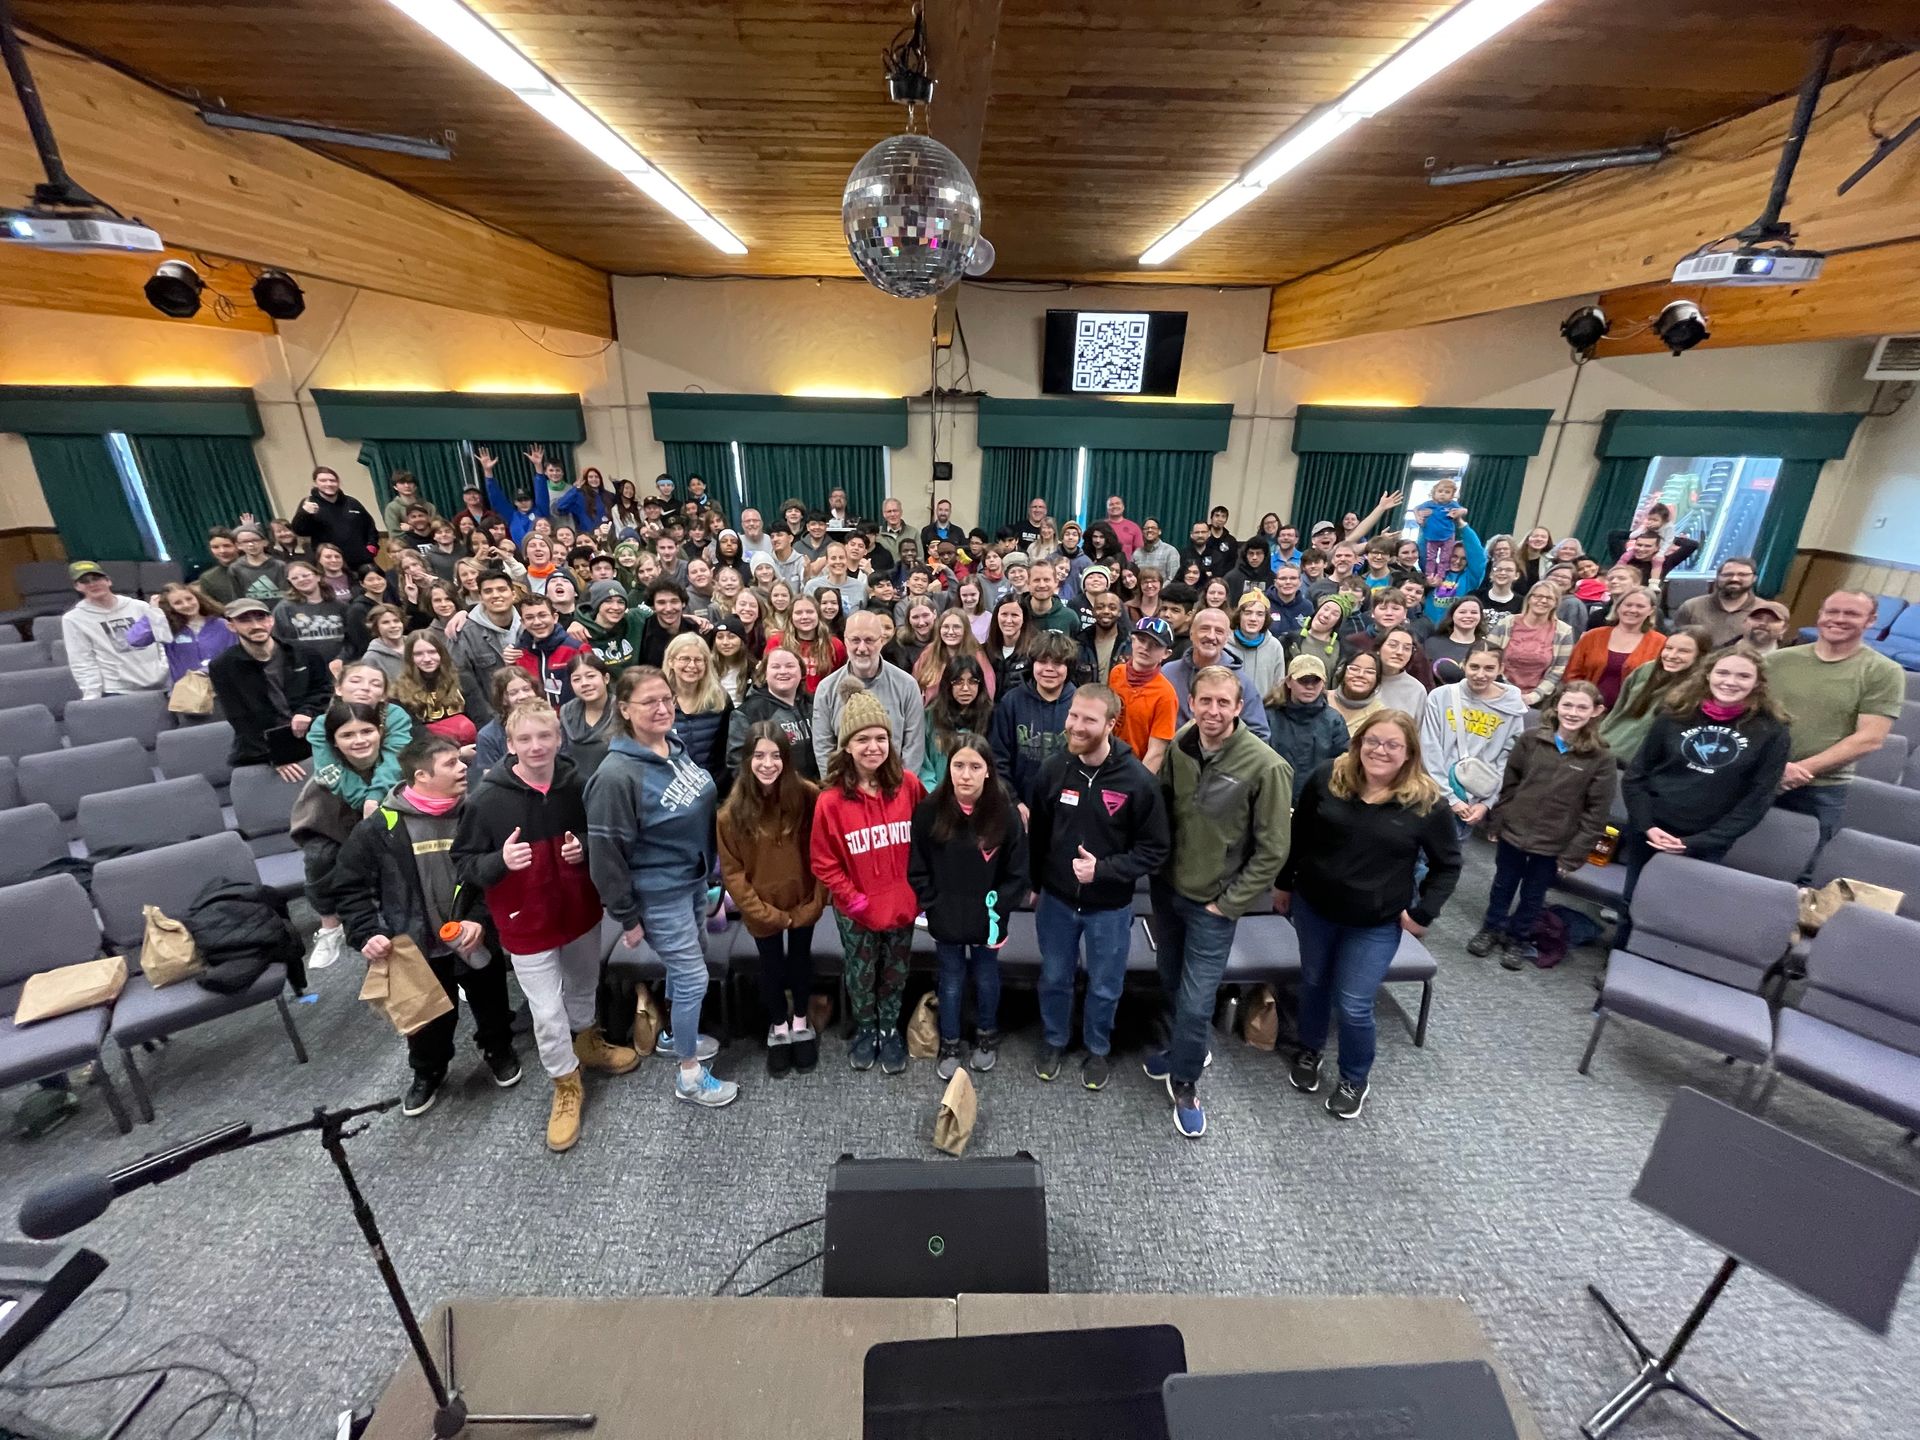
{"x":1750,"y":266}
{"x":44,"y":230}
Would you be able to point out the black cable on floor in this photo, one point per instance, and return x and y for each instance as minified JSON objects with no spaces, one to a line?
{"x":721,"y":1288}
{"x":784,"y":1273}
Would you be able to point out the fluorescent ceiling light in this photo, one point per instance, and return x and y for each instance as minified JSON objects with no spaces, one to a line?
{"x":464,"y":32}
{"x":1464,"y":28}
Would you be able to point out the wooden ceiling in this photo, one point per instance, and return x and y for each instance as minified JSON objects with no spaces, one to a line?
{"x":1107,"y":122}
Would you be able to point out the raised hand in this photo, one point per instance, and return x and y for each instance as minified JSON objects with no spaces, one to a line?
{"x":517,"y":853}
{"x":483,"y":457}
{"x":571,"y":850}
{"x":537,"y":456}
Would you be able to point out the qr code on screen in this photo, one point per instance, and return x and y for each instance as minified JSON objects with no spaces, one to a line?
{"x":1110,"y":353}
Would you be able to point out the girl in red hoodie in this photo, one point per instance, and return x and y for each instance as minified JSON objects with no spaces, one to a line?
{"x":862,"y":832}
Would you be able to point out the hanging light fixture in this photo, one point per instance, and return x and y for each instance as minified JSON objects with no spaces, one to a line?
{"x":910,"y":210}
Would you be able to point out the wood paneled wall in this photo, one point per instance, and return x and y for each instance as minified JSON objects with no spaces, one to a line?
{"x":18,"y":547}
{"x":1816,"y":574}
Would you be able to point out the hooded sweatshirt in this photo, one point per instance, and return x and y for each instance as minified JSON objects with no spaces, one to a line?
{"x":587,"y":741}
{"x":1707,"y":781}
{"x":1114,"y":809}
{"x":547,"y":661}
{"x":1253,"y":707}
{"x":1244,"y":576}
{"x":1304,"y":735}
{"x":1232,"y":812}
{"x":186,"y":648}
{"x":967,"y":883}
{"x":479,"y":650}
{"x":98,"y":652}
{"x":1026,"y":731}
{"x":343,"y":521}
{"x":769,"y":873}
{"x":1290,"y":617}
{"x":395,"y":876}
{"x":551,"y":902}
{"x":795,"y":721}
{"x":649,"y":819}
{"x":1491,"y":725}
{"x":859,"y":849}
{"x":1263,"y":659}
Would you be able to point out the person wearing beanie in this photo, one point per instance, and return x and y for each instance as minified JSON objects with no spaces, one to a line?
{"x":860,"y":846}
{"x":613,"y":625}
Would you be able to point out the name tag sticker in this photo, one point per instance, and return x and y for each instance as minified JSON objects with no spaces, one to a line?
{"x":1069,"y":797}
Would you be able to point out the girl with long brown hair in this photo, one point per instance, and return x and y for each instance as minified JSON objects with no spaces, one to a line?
{"x":429,"y":687}
{"x":1682,"y":658}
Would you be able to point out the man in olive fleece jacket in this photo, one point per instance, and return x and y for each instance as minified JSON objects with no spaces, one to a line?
{"x":1230,"y":805}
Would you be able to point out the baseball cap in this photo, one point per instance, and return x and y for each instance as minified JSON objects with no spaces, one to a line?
{"x":1152,"y":627}
{"x":1771,"y":605}
{"x":80,"y":569}
{"x":1306,"y":665}
{"x":1320,"y":525}
{"x":246,"y":605}
{"x":733,"y":625}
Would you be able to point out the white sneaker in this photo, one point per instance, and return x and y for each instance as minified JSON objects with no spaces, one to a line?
{"x":328,"y":947}
{"x":704,"y":1049}
{"x":705,"y":1090}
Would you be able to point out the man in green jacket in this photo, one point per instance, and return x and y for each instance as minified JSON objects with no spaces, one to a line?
{"x":1230,"y":804}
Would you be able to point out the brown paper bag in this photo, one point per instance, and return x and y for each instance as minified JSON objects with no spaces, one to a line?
{"x":1261,"y":1029}
{"x":167,"y":952}
{"x":192,"y":694}
{"x":923,"y":1028}
{"x":70,"y":988}
{"x":404,"y":988}
{"x":819,"y":1013}
{"x":1817,"y":906}
{"x":647,"y":1023}
{"x":959,"y":1107}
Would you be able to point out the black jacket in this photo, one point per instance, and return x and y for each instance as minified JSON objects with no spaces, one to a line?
{"x":967,"y":885}
{"x":240,"y":685}
{"x":654,"y":636}
{"x":1115,"y":811}
{"x":343,"y":522}
{"x":1354,"y":862}
{"x":240,"y":929}
{"x":1704,"y":781}
{"x":795,"y":721}
{"x":376,"y":886}
{"x":1553,"y":802}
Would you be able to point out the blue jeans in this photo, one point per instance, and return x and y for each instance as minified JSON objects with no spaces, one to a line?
{"x":1344,"y":962}
{"x":1827,"y":804}
{"x":1061,"y":929}
{"x":675,"y":921}
{"x":1531,"y":876}
{"x":954,"y":962}
{"x":1193,"y":956}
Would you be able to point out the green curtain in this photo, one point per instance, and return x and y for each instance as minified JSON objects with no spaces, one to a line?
{"x":513,"y":472}
{"x":776,"y":472}
{"x":1174,"y":487}
{"x":441,"y":467}
{"x":83,"y":491}
{"x":1012,"y":477}
{"x":195,"y":482}
{"x":1330,"y":484}
{"x":712,"y":461}
{"x":1780,"y":532}
{"x":1490,"y":489}
{"x":1611,"y":501}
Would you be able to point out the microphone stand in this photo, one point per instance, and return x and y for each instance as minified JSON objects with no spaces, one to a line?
{"x":451,"y":1416}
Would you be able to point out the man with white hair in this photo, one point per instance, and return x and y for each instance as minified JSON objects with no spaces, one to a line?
{"x":896,"y":690}
{"x":1207,"y":641}
{"x":754,"y":540}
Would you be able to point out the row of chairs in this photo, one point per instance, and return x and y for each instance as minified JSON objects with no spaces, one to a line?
{"x":1709,"y":951}
{"x":17,"y":654}
{"x":45,"y":589}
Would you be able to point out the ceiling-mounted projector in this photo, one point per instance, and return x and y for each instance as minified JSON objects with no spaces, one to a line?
{"x":47,"y":230}
{"x":1750,"y":265}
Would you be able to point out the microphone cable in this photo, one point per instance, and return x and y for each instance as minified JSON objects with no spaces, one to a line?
{"x":760,"y":1245}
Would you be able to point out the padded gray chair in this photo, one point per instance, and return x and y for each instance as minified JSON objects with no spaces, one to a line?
{"x":60,"y":777}
{"x":1603,"y":885}
{"x":9,"y":782}
{"x":1907,"y":723}
{"x":1882,"y":809}
{"x":10,"y":636}
{"x":29,"y":656}
{"x":1778,"y":847}
{"x":263,"y":808}
{"x":30,"y":836}
{"x":197,"y":750}
{"x":170,"y":878}
{"x":49,"y":923}
{"x":125,"y":575}
{"x":50,"y":685}
{"x":1856,"y":1033}
{"x":46,"y":628}
{"x":157,"y":573}
{"x":140,"y":716}
{"x":1705,"y":939}
{"x":146,"y":817}
{"x":28,"y":730}
{"x":57,"y":653}
{"x":1856,"y":855}
{"x":1888,"y":763}
{"x":1266,"y":951}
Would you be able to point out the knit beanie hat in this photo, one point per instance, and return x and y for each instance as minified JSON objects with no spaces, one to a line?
{"x":859,"y":710}
{"x":603,"y":590}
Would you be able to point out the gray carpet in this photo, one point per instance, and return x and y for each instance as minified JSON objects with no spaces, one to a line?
{"x":1484,"y":1167}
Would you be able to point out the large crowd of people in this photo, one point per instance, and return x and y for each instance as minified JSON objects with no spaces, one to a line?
{"x":508,"y":724}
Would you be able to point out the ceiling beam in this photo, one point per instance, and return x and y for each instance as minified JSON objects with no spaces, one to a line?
{"x":272,"y":202}
{"x":1620,"y":228}
{"x":110,"y":285}
{"x":1860,"y":295}
{"x":961,"y":35}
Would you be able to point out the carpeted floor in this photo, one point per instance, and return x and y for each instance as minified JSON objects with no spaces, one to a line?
{"x":1484,"y":1167}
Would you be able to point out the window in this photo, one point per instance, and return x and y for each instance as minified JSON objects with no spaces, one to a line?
{"x":1426,"y":469}
{"x":134,"y":486}
{"x":1719,"y":500}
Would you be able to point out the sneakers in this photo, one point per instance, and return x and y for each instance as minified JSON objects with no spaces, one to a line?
{"x":1485,"y":941}
{"x":949,"y":1059}
{"x":1525,"y":953}
{"x":563,"y":1121}
{"x":592,"y":1050}
{"x":866,"y":1045}
{"x":1305,"y":1074}
{"x":704,"y":1050}
{"x":328,"y":947}
{"x":779,"y":1052}
{"x":421,"y":1094}
{"x":986,"y":1050}
{"x":704,"y":1090}
{"x":1159,"y":1065}
{"x":1047,"y":1067}
{"x":806,"y":1051}
{"x":1346,"y":1100}
{"x":1189,"y":1118}
{"x":1094,"y":1071}
{"x":504,"y":1066}
{"x":893,"y":1053}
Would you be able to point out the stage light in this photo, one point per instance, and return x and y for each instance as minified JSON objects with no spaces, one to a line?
{"x":1584,"y":329}
{"x":278,"y":296}
{"x":175,"y":290}
{"x":1681,"y":326}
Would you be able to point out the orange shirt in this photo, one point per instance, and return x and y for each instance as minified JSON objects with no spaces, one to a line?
{"x":1149,"y":711}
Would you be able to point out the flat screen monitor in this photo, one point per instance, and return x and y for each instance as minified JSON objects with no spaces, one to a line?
{"x":1114,"y":352}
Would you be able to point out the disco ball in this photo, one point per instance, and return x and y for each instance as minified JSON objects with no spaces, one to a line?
{"x":911,"y":214}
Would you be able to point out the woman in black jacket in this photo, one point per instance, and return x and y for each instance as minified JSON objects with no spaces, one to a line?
{"x":1709,"y":767}
{"x":1360,"y":824}
{"x":967,"y":866}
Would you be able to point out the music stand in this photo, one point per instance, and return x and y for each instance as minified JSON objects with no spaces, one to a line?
{"x":1839,"y":1233}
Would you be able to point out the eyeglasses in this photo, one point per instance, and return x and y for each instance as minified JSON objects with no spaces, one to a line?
{"x":1381,"y":744}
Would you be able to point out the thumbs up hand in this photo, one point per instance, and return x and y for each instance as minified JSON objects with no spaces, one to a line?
{"x":1083,"y":863}
{"x":571,"y":850}
{"x":516,"y":852}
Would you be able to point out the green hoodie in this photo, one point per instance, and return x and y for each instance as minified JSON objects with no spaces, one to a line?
{"x":1232,"y":818}
{"x":617,"y":646}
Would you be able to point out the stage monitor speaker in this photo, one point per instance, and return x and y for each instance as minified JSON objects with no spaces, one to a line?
{"x":936,"y":1228}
